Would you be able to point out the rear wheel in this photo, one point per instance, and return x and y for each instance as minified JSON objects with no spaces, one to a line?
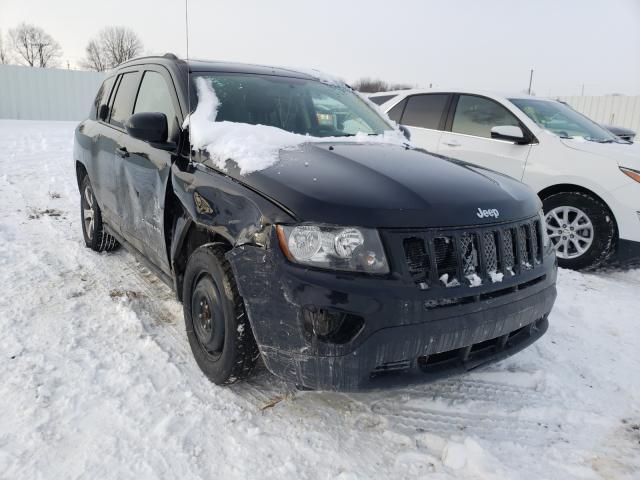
{"x":215,"y":318}
{"x":95,"y":236}
{"x":581,"y":229}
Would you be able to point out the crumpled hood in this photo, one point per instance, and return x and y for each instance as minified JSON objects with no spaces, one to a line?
{"x":379,"y":185}
{"x":626,"y":155}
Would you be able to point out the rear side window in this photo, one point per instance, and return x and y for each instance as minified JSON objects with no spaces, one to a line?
{"x":380,"y":99}
{"x":396,"y":112}
{"x":478,"y":115}
{"x":425,"y":110}
{"x":102,"y":97}
{"x":154,"y":96}
{"x":123,"y":103}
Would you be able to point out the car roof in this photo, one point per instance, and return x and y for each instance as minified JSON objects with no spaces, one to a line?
{"x":469,"y":91}
{"x":197,"y":65}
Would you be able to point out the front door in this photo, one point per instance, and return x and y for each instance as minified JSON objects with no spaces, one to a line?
{"x":144,"y":171}
{"x":424,"y":116}
{"x":470,"y":137}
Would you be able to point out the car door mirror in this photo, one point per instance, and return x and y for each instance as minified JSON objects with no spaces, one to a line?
{"x":405,"y":131}
{"x":510,"y":133}
{"x":103,"y":113}
{"x":150,"y":127}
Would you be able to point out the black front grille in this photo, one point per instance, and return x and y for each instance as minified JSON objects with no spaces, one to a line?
{"x":472,"y":256}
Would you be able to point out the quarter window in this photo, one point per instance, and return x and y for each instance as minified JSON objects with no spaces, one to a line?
{"x":154,"y":96}
{"x":123,"y":103}
{"x":102,"y":97}
{"x":478,"y":115}
{"x":425,"y":110}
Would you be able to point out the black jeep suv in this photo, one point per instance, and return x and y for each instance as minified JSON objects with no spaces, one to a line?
{"x":344,"y":264}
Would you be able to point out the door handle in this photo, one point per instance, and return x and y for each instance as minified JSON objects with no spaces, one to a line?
{"x":452,"y":143}
{"x":122,"y":152}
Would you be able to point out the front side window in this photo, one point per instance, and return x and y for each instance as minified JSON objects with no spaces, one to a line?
{"x":154,"y":96}
{"x":123,"y":103}
{"x":478,"y":115}
{"x":562,"y":120}
{"x":425,"y":110}
{"x":306,"y":107}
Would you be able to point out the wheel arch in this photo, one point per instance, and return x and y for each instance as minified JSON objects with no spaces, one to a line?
{"x":570,"y":187}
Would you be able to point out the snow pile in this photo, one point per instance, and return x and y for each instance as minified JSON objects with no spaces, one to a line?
{"x":449,"y":283}
{"x":496,"y":277}
{"x":97,"y":379}
{"x":254,"y":147}
{"x":474,"y":280}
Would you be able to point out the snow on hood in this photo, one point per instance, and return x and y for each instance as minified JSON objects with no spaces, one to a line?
{"x":255,"y":147}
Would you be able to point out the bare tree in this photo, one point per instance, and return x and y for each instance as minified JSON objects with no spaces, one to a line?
{"x":111,"y":47}
{"x":96,"y":58}
{"x":369,"y":85}
{"x":32,"y":46}
{"x":4,"y":54}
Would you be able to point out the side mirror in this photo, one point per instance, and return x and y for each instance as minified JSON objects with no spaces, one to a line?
{"x":150,"y":127}
{"x":103,"y":113}
{"x":508,"y":132}
{"x":405,"y":131}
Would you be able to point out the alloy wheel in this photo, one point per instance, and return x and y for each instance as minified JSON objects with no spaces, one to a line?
{"x":88,"y":212}
{"x":571,"y":231}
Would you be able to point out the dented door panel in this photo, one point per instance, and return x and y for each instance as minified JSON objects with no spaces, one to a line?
{"x":143,"y":174}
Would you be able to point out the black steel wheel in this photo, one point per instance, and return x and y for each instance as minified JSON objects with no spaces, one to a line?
{"x":216,"y":322}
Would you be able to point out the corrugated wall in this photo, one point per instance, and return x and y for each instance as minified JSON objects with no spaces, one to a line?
{"x":622,"y":111}
{"x":28,"y":93}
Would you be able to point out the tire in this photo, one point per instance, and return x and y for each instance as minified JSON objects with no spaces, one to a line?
{"x":95,"y":236}
{"x":216,"y":322}
{"x":583,"y":247}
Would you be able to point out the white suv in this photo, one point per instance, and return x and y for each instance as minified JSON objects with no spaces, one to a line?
{"x":587,"y":178}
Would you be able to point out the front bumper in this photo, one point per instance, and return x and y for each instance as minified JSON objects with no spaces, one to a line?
{"x":404,"y":339}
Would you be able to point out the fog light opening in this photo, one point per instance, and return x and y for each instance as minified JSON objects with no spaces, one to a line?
{"x":331,"y":326}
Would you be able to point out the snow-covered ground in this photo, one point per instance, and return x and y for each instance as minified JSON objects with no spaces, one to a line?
{"x":97,"y":380}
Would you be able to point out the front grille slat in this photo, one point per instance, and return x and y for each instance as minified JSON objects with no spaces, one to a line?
{"x":469,"y":257}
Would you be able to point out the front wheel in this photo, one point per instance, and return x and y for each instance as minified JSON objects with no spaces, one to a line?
{"x":217,"y":326}
{"x":581,"y":229}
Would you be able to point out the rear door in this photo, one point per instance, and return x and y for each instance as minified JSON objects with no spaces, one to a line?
{"x":469,"y":138}
{"x":143,"y":170}
{"x":424,"y":115}
{"x":103,"y":144}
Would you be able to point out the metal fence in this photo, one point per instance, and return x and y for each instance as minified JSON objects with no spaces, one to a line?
{"x":618,"y":110}
{"x":29,"y":93}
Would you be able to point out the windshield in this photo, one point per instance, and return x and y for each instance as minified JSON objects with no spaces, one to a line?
{"x":306,"y":107}
{"x":562,"y":120}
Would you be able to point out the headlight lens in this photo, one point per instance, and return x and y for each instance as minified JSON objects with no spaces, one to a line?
{"x":631,"y":173}
{"x":337,"y":248}
{"x":543,"y":225}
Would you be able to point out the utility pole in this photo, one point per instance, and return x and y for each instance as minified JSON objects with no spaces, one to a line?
{"x":530,"y":81}
{"x":582,"y":92}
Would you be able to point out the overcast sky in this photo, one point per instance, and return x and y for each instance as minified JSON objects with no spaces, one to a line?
{"x":488,"y":44}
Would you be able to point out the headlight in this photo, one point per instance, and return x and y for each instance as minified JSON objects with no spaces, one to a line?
{"x":631,"y":173}
{"x":336,"y":248}
{"x":543,"y":225}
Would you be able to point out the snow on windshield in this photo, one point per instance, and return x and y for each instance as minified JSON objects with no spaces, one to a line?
{"x":254,"y":147}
